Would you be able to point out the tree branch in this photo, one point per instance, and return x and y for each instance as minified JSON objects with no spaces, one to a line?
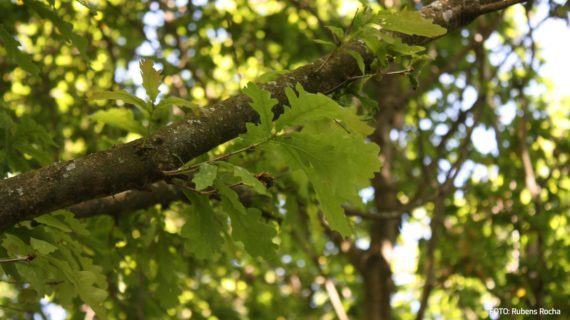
{"x":141,"y":162}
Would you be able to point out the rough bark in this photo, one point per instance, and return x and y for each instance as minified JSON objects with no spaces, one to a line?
{"x":159,"y":193}
{"x":128,"y":201}
{"x":141,"y":162}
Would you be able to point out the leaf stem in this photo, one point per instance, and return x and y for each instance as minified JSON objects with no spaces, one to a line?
{"x":389,"y":73}
{"x":194,"y":167}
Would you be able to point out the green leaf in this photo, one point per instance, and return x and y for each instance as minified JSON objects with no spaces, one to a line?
{"x":84,"y":284}
{"x":6,"y":121}
{"x":396,"y":44}
{"x":42,"y":247}
{"x":15,"y":245}
{"x":363,"y":18}
{"x":268,"y":76}
{"x":337,"y":32}
{"x":53,"y":221}
{"x":120,"y":95}
{"x":371,"y":38}
{"x":359,"y":60}
{"x":337,"y":164}
{"x":151,"y":78}
{"x":247,"y":225}
{"x":76,"y":225}
{"x":28,"y":296}
{"x":325,"y":43}
{"x":93,"y":296}
{"x":263,"y":104}
{"x":174,"y":101}
{"x":202,"y":229}
{"x":250,"y":180}
{"x":410,"y":22}
{"x":120,"y":118}
{"x":308,"y":107}
{"x":205,"y":176}
{"x":22,"y":59}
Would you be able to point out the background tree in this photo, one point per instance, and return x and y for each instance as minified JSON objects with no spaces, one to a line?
{"x":131,"y":192}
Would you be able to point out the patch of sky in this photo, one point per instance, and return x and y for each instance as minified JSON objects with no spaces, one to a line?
{"x":484,"y":140}
{"x":145,"y":49}
{"x":54,"y":311}
{"x":425,"y":124}
{"x":469,"y":97}
{"x":507,"y":112}
{"x":173,"y":57}
{"x":366,"y":194}
{"x":154,"y":18}
{"x":363,"y":243}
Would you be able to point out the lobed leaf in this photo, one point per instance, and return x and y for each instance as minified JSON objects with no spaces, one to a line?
{"x":263,"y":104}
{"x":202,"y":229}
{"x":247,"y":225}
{"x":337,"y":164}
{"x":309,"y":107}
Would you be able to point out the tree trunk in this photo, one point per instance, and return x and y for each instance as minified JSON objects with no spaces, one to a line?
{"x":383,"y":233}
{"x":378,"y":285}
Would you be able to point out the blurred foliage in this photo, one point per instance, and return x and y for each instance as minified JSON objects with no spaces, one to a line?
{"x":71,"y":85}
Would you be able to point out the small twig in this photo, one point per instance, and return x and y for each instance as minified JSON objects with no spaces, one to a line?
{"x":194,"y":167}
{"x":49,"y":283}
{"x":373,"y":216}
{"x":332,"y":292}
{"x":497,"y":5}
{"x":346,"y":33}
{"x":327,"y":59}
{"x":335,"y":300}
{"x":349,"y":79}
{"x":27,"y":258}
{"x":351,"y":25}
{"x":210,"y":191}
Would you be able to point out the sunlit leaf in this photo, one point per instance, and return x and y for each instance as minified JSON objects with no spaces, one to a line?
{"x":119,"y":95}
{"x":337,"y":32}
{"x":205,"y":176}
{"x":322,"y":151}
{"x":119,"y":118}
{"x":410,"y":22}
{"x":174,"y":101}
{"x":307,"y":107}
{"x":151,"y":78}
{"x":263,"y":104}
